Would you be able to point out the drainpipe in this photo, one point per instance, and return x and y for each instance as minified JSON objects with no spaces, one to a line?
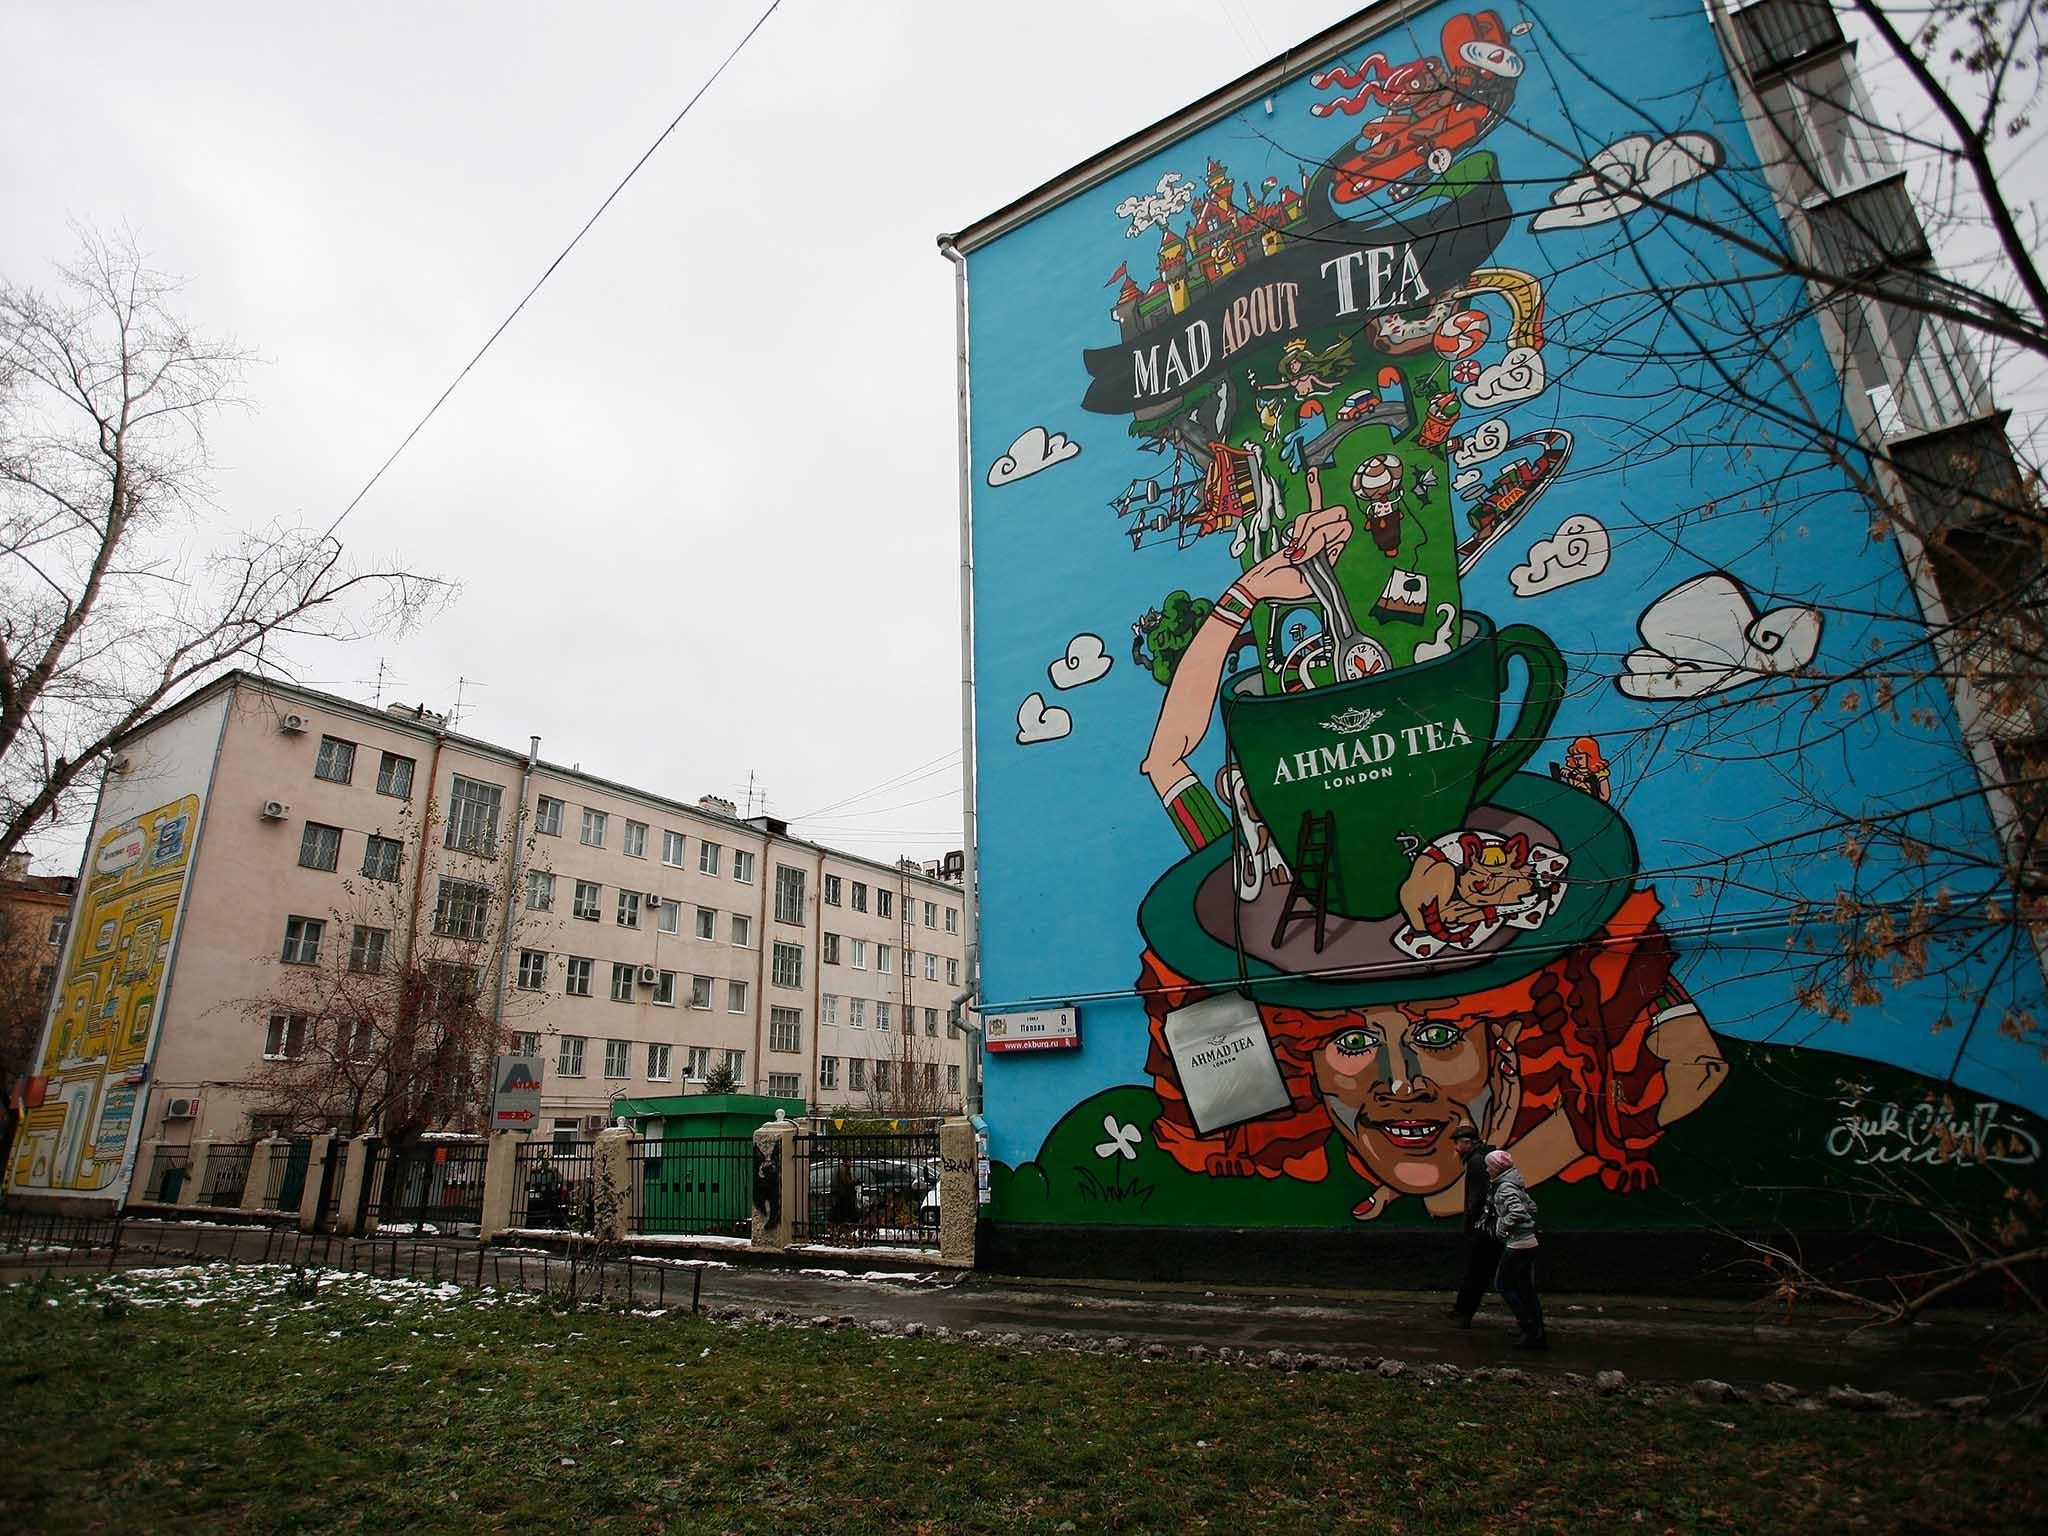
{"x":512,"y":885}
{"x":970,"y":887}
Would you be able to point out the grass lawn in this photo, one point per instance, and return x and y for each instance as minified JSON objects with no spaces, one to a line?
{"x":188,"y":1400}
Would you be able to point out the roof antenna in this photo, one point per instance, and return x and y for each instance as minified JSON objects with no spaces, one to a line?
{"x":461,"y":683}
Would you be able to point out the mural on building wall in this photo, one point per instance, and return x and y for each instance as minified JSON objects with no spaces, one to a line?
{"x":1381,"y":788}
{"x":81,"y":1100}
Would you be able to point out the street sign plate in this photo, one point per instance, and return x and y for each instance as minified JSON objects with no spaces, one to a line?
{"x":1054,"y":1029}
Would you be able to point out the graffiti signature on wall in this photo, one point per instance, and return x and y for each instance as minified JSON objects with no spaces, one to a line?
{"x":1886,"y":1134}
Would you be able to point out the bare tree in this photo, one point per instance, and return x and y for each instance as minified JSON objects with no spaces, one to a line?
{"x":110,"y":603}
{"x":24,"y":994}
{"x":909,"y":1082}
{"x":393,"y":1028}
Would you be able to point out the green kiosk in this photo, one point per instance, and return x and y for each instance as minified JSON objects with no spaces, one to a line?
{"x":695,"y":1163}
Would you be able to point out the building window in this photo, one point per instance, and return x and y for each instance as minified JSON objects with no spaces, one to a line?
{"x":953,"y":1078}
{"x":828,"y":1009}
{"x":366,"y":949}
{"x":931,"y":1077}
{"x":784,"y":1085}
{"x":707,"y":857}
{"x":931,"y":966}
{"x":672,"y":849}
{"x":319,"y":846}
{"x":636,"y":840}
{"x":931,"y":1021}
{"x":831,"y":890}
{"x":860,"y":953}
{"x":856,"y":1013}
{"x":885,"y":902}
{"x":622,"y":982}
{"x":59,"y":927}
{"x":540,"y":890}
{"x":658,"y":1057}
{"x":786,"y":965}
{"x":735,"y":997}
{"x":856,"y":1073}
{"x":743,"y":866}
{"x":789,"y":894}
{"x":736,"y":1064}
{"x":785,"y":1029}
{"x":700,"y":991}
{"x":707,"y":922}
{"x":743,"y":930}
{"x":589,"y":900}
{"x":952,"y":919}
{"x":885,"y":960}
{"x":565,"y":1135}
{"x":593,"y":827}
{"x":525,"y":1043}
{"x":700,"y":1063}
{"x":569,"y":1055}
{"x":533,"y":971}
{"x":629,"y":909}
{"x":617,"y":1055}
{"x":665,"y":988}
{"x":577,"y":977}
{"x":547,"y":816}
{"x":337,"y":760}
{"x":881,"y":1077}
{"x":284,"y":1039}
{"x":860,"y":896}
{"x":931,"y":914}
{"x":381,"y":856}
{"x":884,"y":1017}
{"x":670,"y":917}
{"x":461,"y":908}
{"x":831,"y":949}
{"x":473,"y":817}
{"x":302,"y":940}
{"x":952,"y":972}
{"x":394,"y":776}
{"x":828,"y":1071}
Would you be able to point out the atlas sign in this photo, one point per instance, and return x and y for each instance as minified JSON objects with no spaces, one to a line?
{"x":515,"y":1093}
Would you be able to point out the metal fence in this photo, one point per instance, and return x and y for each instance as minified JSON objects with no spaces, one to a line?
{"x":284,"y":1180}
{"x":168,"y":1174}
{"x":332,"y":1170}
{"x":699,"y":1185}
{"x":429,"y":1186}
{"x":554,"y":1185}
{"x":871,"y":1189}
{"x":227,"y":1173}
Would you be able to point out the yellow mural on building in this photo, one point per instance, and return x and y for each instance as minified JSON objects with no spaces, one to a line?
{"x":81,"y":1100}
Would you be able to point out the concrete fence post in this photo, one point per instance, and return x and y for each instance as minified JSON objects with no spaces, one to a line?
{"x":501,"y":1182}
{"x":145,"y":1167}
{"x":258,"y":1176}
{"x":959,"y":1194}
{"x":323,"y":1147}
{"x":612,"y":1168}
{"x":355,"y":1168}
{"x":776,"y":1187}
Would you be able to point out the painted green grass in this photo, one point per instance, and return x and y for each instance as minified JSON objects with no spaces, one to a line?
{"x":384,"y":1406}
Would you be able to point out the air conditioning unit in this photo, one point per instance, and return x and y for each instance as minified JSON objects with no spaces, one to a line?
{"x":654,"y":901}
{"x":592,"y":1124}
{"x":181,"y":1108}
{"x":293,"y":723}
{"x":120,"y":764}
{"x":649,"y":976}
{"x":275,"y":810}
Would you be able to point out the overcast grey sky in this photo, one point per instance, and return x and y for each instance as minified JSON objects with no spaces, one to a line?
{"x":701,"y":495}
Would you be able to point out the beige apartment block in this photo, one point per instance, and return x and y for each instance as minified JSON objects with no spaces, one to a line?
{"x":651,"y":939}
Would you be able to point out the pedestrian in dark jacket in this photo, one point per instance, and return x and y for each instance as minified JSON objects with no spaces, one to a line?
{"x":1482,"y":1253}
{"x":1511,"y":1218}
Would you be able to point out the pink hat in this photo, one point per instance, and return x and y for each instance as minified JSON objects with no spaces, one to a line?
{"x":1499,"y":1162}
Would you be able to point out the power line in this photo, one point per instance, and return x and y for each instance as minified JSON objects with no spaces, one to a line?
{"x":894,"y":781}
{"x":660,"y":139}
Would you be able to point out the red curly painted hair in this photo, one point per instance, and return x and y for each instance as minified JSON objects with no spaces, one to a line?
{"x":1580,"y":1052}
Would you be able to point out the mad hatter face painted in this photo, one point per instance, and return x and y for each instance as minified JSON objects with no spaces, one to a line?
{"x":1397,"y":1086}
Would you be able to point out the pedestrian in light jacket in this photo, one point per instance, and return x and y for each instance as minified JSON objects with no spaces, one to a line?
{"x":1482,"y":1253}
{"x":1511,"y":1218}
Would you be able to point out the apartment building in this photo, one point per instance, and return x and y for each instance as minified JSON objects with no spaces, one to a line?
{"x":635,"y":942}
{"x":35,"y":913}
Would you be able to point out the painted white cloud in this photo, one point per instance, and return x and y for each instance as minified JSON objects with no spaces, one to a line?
{"x":1038,"y":721}
{"x":1149,"y":210}
{"x":1705,"y":635}
{"x":1625,"y":175}
{"x":1469,"y":484}
{"x":1084,"y":662}
{"x":1517,"y":376}
{"x":1483,"y":442}
{"x":1577,"y":551}
{"x":1036,"y":449}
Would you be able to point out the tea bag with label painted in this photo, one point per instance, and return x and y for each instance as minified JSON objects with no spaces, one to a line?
{"x":1224,"y":1061}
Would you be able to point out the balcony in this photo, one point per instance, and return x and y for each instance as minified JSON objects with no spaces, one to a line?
{"x":1778,"y":36}
{"x":1962,"y":478}
{"x":1870,"y":230}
